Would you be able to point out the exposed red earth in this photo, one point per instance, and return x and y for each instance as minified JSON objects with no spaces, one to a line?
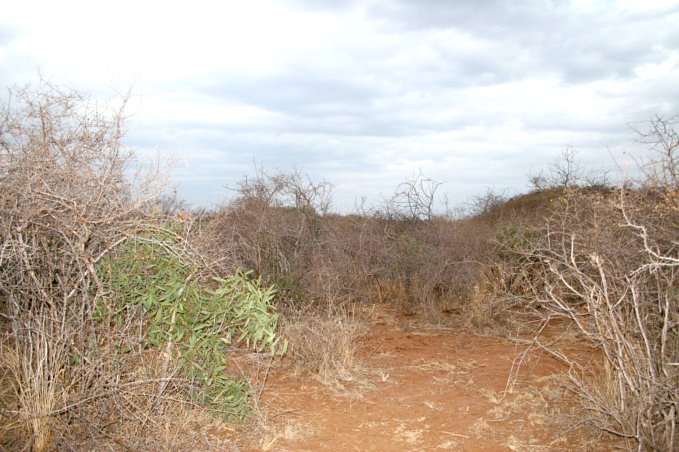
{"x":421,"y":388}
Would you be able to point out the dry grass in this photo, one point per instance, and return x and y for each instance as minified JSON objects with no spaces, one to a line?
{"x":284,"y":431}
{"x":36,"y":385}
{"x":326,"y":345}
{"x":184,"y":426}
{"x":408,"y":435}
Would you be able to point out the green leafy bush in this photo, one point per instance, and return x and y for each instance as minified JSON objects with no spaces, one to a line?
{"x":195,"y":322}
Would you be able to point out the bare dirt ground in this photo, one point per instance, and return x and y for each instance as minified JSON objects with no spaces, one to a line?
{"x":420,"y":388}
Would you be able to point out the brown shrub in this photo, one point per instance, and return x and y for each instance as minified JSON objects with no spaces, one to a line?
{"x":316,"y":258}
{"x":64,"y":206}
{"x":607,"y":264}
{"x":71,"y":370}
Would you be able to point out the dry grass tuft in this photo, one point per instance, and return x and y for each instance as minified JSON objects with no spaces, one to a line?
{"x":326,"y":345}
{"x":285,"y":431}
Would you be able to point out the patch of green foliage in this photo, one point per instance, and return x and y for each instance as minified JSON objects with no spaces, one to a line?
{"x":196,"y":321}
{"x":513,"y":241}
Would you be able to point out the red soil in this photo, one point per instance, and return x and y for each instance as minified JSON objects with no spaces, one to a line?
{"x":422,"y":388}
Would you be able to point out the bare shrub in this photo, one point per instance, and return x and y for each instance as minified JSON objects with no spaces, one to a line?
{"x":436,"y":260}
{"x":567,"y":172}
{"x":486,"y":203}
{"x":65,"y":205}
{"x":503,"y":297}
{"x":280,"y":226}
{"x":79,"y":277}
{"x":413,"y":200}
{"x":447,"y":265}
{"x":273,"y":227}
{"x":611,"y":269}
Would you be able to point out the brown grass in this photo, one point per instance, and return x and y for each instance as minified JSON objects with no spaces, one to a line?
{"x":326,"y":345}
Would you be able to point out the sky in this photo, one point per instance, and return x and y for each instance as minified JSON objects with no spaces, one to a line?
{"x":364,"y":94}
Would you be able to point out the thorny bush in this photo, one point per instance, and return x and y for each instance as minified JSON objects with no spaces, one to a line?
{"x":80,"y":361}
{"x":611,"y":267}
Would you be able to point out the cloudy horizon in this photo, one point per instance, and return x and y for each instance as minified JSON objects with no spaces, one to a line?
{"x":363,"y":94}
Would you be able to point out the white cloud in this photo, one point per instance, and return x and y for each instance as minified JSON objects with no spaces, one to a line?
{"x":653,"y":71}
{"x":361,"y":93}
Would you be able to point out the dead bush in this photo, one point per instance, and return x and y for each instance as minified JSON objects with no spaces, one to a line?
{"x":64,"y":206}
{"x":433,"y":266}
{"x":412,"y":201}
{"x":611,"y":269}
{"x":272,"y":227}
{"x":279,"y":225}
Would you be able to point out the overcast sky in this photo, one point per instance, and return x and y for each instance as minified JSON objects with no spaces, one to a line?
{"x":474,"y":94}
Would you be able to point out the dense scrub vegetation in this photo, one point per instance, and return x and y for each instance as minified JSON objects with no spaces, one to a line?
{"x":576,"y":249}
{"x":110,"y":318}
{"x":119,"y":303}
